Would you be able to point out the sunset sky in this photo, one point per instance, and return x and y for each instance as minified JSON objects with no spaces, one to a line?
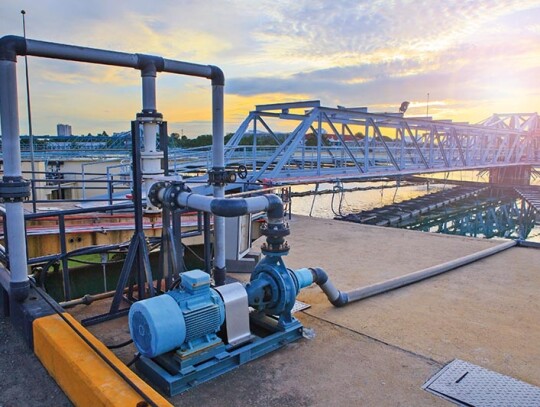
{"x":474,"y":58}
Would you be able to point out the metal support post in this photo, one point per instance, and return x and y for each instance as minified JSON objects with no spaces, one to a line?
{"x":63,"y":250}
{"x":177,"y":241}
{"x":137,"y":259}
{"x":168,"y":258}
{"x":207,"y":243}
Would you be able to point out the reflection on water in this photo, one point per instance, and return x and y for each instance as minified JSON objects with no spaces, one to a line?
{"x":493,"y":214}
{"x":504,"y":217}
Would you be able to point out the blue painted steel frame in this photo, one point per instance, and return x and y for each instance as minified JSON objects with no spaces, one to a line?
{"x":223,"y":362}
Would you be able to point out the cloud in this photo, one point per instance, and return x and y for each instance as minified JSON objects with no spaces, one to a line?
{"x":347,"y":52}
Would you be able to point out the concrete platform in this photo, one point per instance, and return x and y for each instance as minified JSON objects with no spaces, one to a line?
{"x":487,"y":313}
{"x":379,"y":352}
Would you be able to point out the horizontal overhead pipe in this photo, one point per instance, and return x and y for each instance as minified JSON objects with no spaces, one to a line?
{"x":233,"y":207}
{"x":11,"y":46}
{"x":341,"y":298}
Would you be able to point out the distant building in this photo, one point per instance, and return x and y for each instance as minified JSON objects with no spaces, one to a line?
{"x":63,"y":130}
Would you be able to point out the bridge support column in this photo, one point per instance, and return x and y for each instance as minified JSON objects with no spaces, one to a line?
{"x":513,"y":176}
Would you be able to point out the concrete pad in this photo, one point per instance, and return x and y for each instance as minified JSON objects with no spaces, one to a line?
{"x":370,"y":253}
{"x":336,"y":368}
{"x":487,"y":312}
{"x":380,"y":351}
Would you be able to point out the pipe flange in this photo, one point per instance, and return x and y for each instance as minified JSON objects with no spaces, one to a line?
{"x":276,"y":229}
{"x":170,"y":195}
{"x":281,"y":249}
{"x":153,"y":193}
{"x":165,"y":194}
{"x":14,"y":189}
{"x":150,"y":116}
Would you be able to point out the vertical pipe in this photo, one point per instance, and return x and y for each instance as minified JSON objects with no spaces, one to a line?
{"x":149,"y":91}
{"x":151,"y":158}
{"x":218,"y":164}
{"x":9,"y":116}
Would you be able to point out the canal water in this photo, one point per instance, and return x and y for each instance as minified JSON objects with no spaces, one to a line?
{"x":342,"y":199}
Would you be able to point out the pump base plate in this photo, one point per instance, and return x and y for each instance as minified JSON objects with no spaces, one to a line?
{"x":267,"y":337}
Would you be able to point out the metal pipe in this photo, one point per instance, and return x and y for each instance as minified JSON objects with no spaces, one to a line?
{"x":65,"y":265}
{"x":339,"y":298}
{"x":105,"y":57}
{"x":151,"y":157}
{"x":19,"y":283}
{"x":81,"y":54}
{"x":87,"y":299}
{"x":233,"y":207}
{"x":369,"y":291}
{"x":218,"y":164}
{"x":149,"y":91}
{"x":187,"y":68}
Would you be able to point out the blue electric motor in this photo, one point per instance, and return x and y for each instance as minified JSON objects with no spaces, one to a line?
{"x":186,"y":319}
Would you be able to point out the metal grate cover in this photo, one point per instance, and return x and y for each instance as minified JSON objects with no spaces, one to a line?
{"x":466,"y":384}
{"x":299,"y":306}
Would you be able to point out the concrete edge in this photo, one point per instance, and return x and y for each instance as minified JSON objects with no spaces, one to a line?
{"x":84,"y":376}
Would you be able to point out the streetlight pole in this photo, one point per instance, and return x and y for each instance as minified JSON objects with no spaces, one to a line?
{"x":30,"y":132}
{"x":427,"y":106}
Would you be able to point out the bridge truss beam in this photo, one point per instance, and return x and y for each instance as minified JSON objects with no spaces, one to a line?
{"x":330,"y":143}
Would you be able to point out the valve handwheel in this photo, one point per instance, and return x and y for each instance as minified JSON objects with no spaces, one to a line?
{"x":242,"y":171}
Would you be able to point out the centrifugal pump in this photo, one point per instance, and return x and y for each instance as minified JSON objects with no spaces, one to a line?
{"x":187,"y":320}
{"x":197,"y":332}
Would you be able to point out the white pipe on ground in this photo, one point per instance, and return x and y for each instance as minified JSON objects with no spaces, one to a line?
{"x":340,"y":298}
{"x":397,"y":282}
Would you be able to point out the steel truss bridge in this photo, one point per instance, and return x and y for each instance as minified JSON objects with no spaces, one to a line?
{"x":304,"y":142}
{"x":350,"y":143}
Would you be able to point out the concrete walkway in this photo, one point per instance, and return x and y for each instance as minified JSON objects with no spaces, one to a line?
{"x":379,"y":352}
{"x":24,"y":382}
{"x":487,"y":313}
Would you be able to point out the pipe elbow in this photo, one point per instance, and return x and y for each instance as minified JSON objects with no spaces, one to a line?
{"x":217,"y":76}
{"x":229,"y":207}
{"x":336,"y":297}
{"x":341,"y":300}
{"x":319,"y":275}
{"x":11,"y":46}
{"x":275,"y":207}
